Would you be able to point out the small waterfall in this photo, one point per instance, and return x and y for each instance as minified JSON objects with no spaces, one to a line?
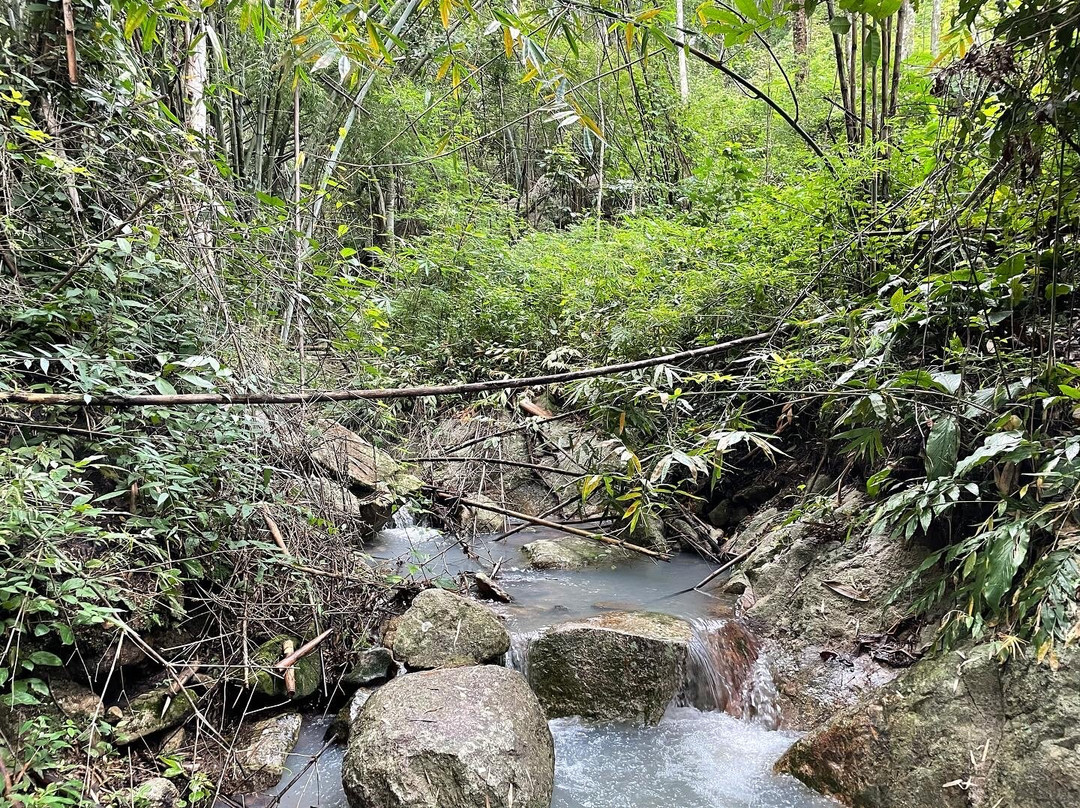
{"x":518,"y":655}
{"x":403,"y":517}
{"x":726,"y":672}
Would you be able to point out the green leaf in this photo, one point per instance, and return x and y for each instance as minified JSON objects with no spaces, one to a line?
{"x":45,"y":658}
{"x":840,"y":25}
{"x":164,"y":387}
{"x":942,"y":447}
{"x":871,"y":47}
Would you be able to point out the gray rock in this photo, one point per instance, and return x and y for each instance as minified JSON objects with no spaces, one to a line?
{"x":152,"y":712}
{"x":470,"y":737}
{"x":954,"y":732}
{"x":444,"y":630}
{"x":376,"y":665}
{"x":341,"y":726}
{"x":571,"y":553}
{"x":156,"y":792}
{"x":621,"y":666}
{"x":78,"y":703}
{"x":263,"y":747}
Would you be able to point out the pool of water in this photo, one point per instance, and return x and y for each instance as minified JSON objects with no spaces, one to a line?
{"x":690,"y":760}
{"x":544,"y":597}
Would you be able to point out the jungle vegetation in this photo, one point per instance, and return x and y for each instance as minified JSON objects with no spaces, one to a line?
{"x":290,"y":195}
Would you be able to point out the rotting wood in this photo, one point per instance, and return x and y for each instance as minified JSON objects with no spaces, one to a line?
{"x":486,"y":587}
{"x":532,"y":408}
{"x":380,"y":394}
{"x":536,"y":520}
{"x":302,"y":651}
{"x":288,"y":648}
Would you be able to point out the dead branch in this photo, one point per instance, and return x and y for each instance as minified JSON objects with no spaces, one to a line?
{"x":302,"y":651}
{"x":329,"y":396}
{"x":536,"y":520}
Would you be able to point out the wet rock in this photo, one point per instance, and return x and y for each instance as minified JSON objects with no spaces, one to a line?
{"x":151,"y":712}
{"x":263,"y":747}
{"x":334,"y":498}
{"x":78,"y":703}
{"x":482,"y":520}
{"x":622,"y":666}
{"x":375,"y":666}
{"x":571,"y":553}
{"x":156,"y":792}
{"x":269,"y":683}
{"x":649,"y":532}
{"x":341,"y":726}
{"x":783,"y":595}
{"x":457,"y":738}
{"x":954,"y":731}
{"x":444,"y":630}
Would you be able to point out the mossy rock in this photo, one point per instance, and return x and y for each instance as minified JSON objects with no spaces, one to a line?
{"x":444,"y":630}
{"x":152,"y":712}
{"x":267,"y":682}
{"x":571,"y":553}
{"x":621,"y":666}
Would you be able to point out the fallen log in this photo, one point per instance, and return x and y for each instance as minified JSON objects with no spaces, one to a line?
{"x":329,"y":396}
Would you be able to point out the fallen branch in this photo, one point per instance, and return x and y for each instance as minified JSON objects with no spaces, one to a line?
{"x":521,"y":464}
{"x":723,"y":568}
{"x":536,"y":520}
{"x":275,"y":531}
{"x":302,"y":651}
{"x":330,"y":396}
{"x":290,"y":672}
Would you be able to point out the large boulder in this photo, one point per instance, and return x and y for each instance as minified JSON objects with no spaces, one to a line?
{"x":571,"y":553}
{"x":263,"y":748}
{"x":959,"y":731}
{"x":444,"y":630}
{"x":456,"y":738}
{"x":620,"y":666}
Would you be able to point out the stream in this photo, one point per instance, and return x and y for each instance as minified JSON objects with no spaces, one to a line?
{"x":694,"y":758}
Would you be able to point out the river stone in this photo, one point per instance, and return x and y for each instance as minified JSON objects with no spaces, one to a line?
{"x":375,"y":666}
{"x":444,"y":630}
{"x":263,"y":747}
{"x":621,"y":666}
{"x":157,"y":792}
{"x":267,"y":682}
{"x":571,"y":553}
{"x":470,"y":737}
{"x":78,"y":703}
{"x":148,"y":713}
{"x":954,"y":731}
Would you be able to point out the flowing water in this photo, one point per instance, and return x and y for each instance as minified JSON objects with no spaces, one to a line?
{"x":714,"y":747}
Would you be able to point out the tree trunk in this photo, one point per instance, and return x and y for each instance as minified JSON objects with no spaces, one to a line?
{"x":800,"y":40}
{"x":905,"y":22}
{"x":684,"y":84}
{"x":935,"y":28}
{"x":195,"y":77}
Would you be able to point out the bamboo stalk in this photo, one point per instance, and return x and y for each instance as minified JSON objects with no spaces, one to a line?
{"x":328,"y":396}
{"x":287,"y":649}
{"x":521,"y":464}
{"x":69,"y":37}
{"x":301,"y":652}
